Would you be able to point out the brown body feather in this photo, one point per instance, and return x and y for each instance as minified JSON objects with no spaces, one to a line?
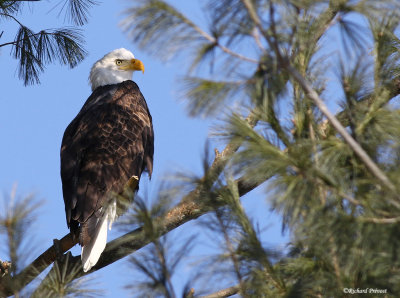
{"x":110,"y":140}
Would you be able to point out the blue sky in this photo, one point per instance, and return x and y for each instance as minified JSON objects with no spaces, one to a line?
{"x":33,"y":119}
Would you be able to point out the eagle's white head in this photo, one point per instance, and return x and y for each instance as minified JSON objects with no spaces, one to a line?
{"x":115,"y":67}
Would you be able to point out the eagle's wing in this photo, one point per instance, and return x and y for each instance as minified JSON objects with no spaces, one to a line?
{"x":109,"y":141}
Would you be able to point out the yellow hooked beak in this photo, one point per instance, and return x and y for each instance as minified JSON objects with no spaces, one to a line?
{"x":133,"y":64}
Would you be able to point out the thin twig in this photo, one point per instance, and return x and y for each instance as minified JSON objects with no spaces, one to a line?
{"x":214,"y":41}
{"x":321,"y":191}
{"x":231,"y":249}
{"x":169,"y":288}
{"x":268,"y":270}
{"x":234,"y":54}
{"x":224,"y":293}
{"x":335,"y":263}
{"x":256,"y":35}
{"x":8,"y":43}
{"x":221,"y":158}
{"x":11,"y":17}
{"x":349,"y":198}
{"x":254,"y":17}
{"x":380,"y":220}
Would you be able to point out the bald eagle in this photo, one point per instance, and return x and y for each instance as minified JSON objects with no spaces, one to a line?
{"x":108,"y":142}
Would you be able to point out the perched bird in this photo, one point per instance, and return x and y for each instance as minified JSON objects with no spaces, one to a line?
{"x":108,"y":142}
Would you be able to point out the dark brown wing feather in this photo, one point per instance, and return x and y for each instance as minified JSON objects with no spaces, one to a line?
{"x":110,"y":140}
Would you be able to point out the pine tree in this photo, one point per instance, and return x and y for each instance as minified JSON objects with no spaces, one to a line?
{"x":277,"y":71}
{"x":332,"y":178}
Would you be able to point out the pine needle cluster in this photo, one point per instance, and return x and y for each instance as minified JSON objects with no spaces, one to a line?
{"x":34,"y":50}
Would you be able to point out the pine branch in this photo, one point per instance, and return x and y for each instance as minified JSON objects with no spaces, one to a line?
{"x":34,"y":50}
{"x":156,"y":19}
{"x":360,"y":152}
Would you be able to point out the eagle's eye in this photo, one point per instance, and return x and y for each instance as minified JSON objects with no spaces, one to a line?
{"x":118,"y":62}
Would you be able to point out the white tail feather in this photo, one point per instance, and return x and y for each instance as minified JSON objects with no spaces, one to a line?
{"x":91,"y":252}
